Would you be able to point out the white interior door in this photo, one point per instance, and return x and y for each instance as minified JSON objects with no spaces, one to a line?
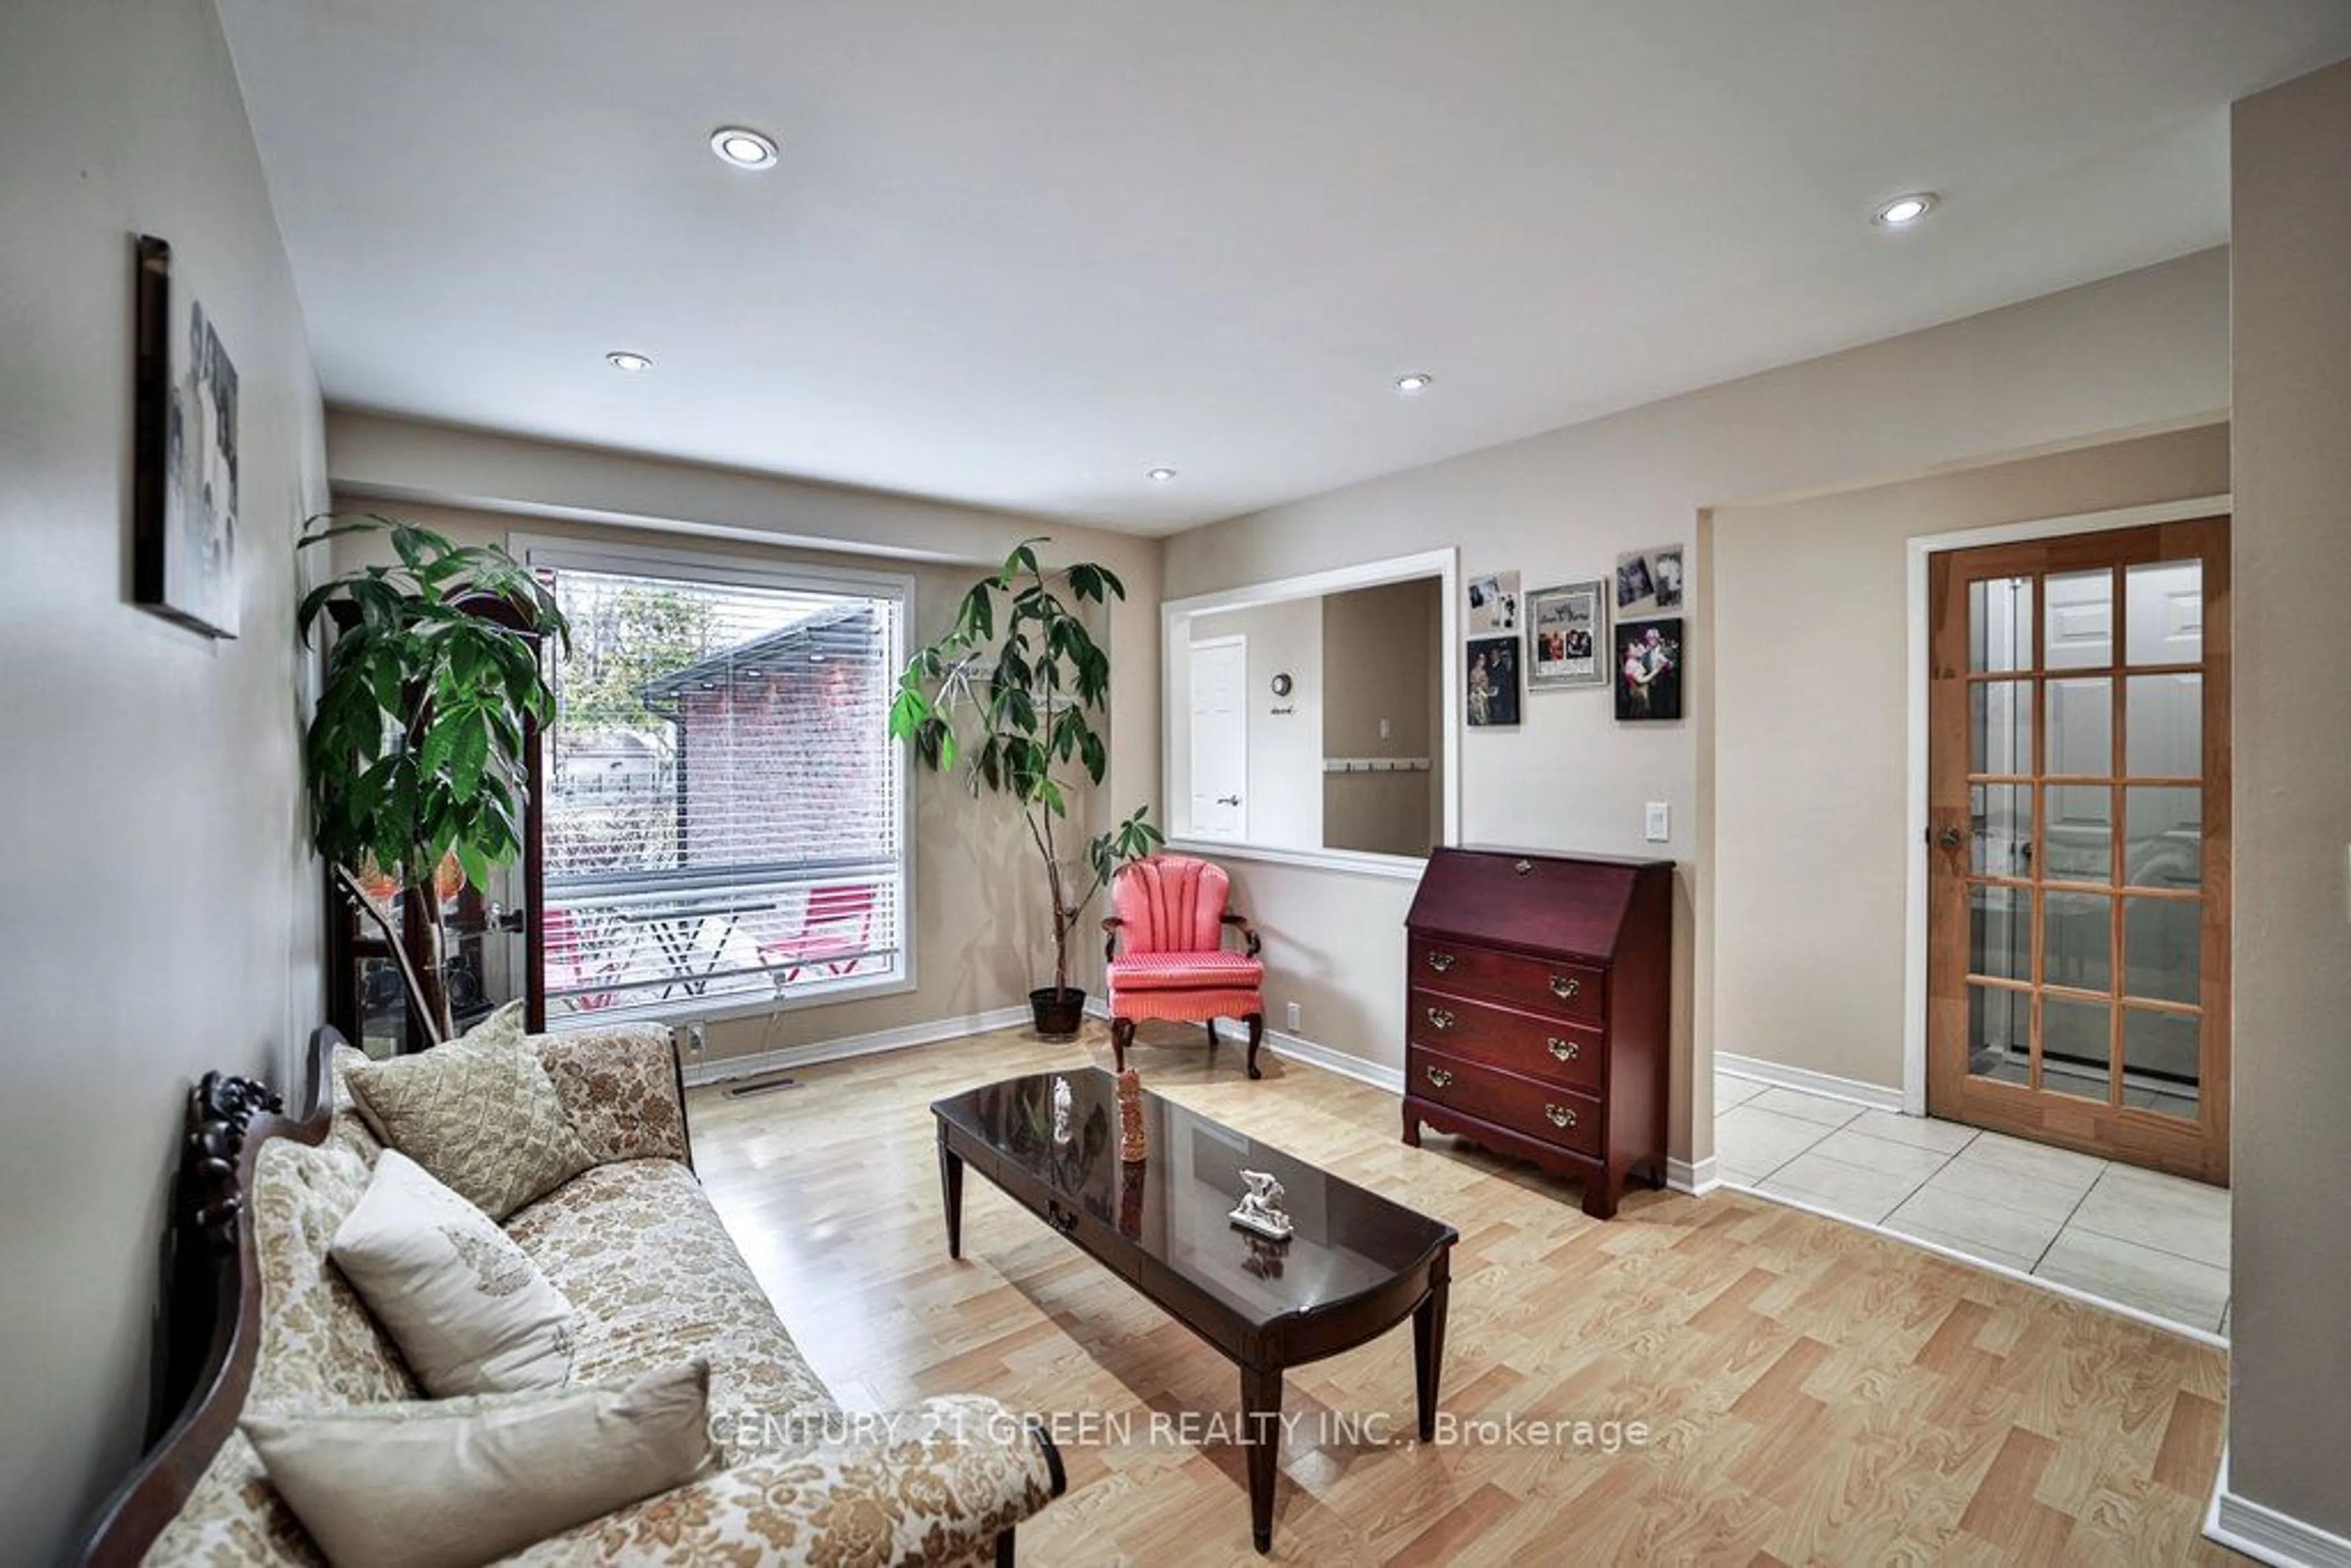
{"x":1220,"y":738}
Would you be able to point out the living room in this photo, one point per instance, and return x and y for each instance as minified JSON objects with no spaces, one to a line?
{"x":1153,"y":289}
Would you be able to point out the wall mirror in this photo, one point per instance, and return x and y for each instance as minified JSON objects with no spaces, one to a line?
{"x":1315,"y":719}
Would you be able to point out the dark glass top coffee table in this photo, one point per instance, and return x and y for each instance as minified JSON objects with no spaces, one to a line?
{"x":1355,"y":1265}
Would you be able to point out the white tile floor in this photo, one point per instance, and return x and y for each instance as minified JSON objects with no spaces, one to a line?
{"x":2157,"y":1243}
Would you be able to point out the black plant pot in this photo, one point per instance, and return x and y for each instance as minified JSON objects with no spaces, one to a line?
{"x":1060,"y":1013}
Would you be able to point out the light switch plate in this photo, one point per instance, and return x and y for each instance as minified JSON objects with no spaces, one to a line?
{"x":1290,"y":1017}
{"x":1657,"y":823}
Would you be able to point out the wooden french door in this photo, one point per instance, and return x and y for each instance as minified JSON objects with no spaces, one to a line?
{"x":2078,"y":843}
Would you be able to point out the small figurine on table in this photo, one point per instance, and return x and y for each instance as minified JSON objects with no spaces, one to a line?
{"x":1260,"y":1208}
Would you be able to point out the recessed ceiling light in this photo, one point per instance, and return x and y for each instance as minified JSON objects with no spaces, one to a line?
{"x":1903,"y":211}
{"x":743,"y":147}
{"x":1418,"y":382}
{"x":1160,"y":475}
{"x":621,"y":360}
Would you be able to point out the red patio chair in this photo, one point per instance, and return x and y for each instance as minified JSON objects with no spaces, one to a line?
{"x":835,"y":930}
{"x":1171,"y":910}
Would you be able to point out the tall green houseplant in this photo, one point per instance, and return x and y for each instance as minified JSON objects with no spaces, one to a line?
{"x":415,"y":754}
{"x":1016,"y":708}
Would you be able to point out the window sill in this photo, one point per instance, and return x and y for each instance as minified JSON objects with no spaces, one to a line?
{"x":1350,"y":863}
{"x":677,"y":1011}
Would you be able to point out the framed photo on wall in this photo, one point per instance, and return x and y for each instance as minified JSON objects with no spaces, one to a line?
{"x":1649,"y":582}
{"x":1493,"y":603}
{"x":184,"y":482}
{"x":1648,"y":669}
{"x":1493,"y":674}
{"x":1568,"y":629}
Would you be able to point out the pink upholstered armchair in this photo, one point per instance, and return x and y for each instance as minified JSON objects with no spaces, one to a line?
{"x":1171,"y":913}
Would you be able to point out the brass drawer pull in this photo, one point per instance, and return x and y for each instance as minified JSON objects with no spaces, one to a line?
{"x":1438,"y":1076}
{"x":1564,"y":1050}
{"x":1440,"y":1018}
{"x":1561,"y":1115}
{"x":1524,"y":867}
{"x":1440,"y":962}
{"x":1566,"y":985}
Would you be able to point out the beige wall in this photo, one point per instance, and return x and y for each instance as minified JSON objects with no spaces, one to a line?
{"x":161,"y":915}
{"x":1381,"y":664}
{"x":2290,"y":1400}
{"x":1804,"y":889}
{"x":1284,"y":802}
{"x":2135,"y":353}
{"x":981,"y":927}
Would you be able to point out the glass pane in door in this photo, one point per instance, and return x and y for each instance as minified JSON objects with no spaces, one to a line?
{"x":2001,"y":841}
{"x":2163,"y":840}
{"x":2164,"y":612}
{"x":2079,"y":845}
{"x":2079,"y":607}
{"x":2000,"y":727}
{"x":2000,"y":932}
{"x":2000,"y":623}
{"x":2162,"y":948}
{"x":2164,"y":719}
{"x":2160,"y":1068}
{"x":2081,"y":726}
{"x":2076,"y":1046}
{"x":1999,"y":1033}
{"x":2077,"y":941}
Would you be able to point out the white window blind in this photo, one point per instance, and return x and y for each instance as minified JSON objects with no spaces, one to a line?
{"x":725,"y":819}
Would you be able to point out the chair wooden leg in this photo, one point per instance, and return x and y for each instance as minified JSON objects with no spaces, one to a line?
{"x":1121,"y":1035}
{"x":1212,"y":1040}
{"x":1256,"y":1022}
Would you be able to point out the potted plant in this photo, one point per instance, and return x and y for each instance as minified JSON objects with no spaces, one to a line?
{"x":414,"y":758}
{"x":1016,"y":708}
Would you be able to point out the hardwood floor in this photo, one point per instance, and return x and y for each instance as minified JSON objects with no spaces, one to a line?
{"x":1812,"y":1392}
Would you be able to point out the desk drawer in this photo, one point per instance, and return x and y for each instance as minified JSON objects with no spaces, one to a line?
{"x":1542,"y":1111}
{"x":1551,"y":985}
{"x":1549,"y":1049}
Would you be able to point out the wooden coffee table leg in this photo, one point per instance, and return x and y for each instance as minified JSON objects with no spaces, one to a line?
{"x":951,"y":1193}
{"x":1428,"y":1342}
{"x":1261,"y":1422}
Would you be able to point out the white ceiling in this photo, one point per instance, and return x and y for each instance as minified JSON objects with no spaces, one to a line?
{"x":1018,"y":251}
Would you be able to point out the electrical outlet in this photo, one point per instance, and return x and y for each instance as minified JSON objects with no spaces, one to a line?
{"x":694,"y":1039}
{"x":1290,"y":1017}
{"x":1385,"y":729}
{"x":1657,"y":823}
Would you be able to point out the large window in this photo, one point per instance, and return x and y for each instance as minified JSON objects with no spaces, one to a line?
{"x":726,"y":822}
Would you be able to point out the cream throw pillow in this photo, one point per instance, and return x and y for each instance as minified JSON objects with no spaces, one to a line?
{"x":479,"y":1112}
{"x":469,"y":1310}
{"x":402,"y":1486}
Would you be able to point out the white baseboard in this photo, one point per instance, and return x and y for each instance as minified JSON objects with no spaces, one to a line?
{"x":1377,"y":1075}
{"x":1755,"y":1069}
{"x":2264,"y":1533}
{"x":1696,"y":1177}
{"x":698,"y":1073}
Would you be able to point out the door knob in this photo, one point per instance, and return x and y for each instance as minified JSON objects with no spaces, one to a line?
{"x":1950,"y":838}
{"x":1229,"y":799}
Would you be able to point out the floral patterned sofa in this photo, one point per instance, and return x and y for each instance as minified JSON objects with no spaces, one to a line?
{"x":637,"y":1247}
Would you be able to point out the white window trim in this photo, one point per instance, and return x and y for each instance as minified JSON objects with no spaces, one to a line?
{"x":703,"y":566}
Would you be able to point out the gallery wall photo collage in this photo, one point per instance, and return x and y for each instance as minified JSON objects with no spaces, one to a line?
{"x":1624,"y":632}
